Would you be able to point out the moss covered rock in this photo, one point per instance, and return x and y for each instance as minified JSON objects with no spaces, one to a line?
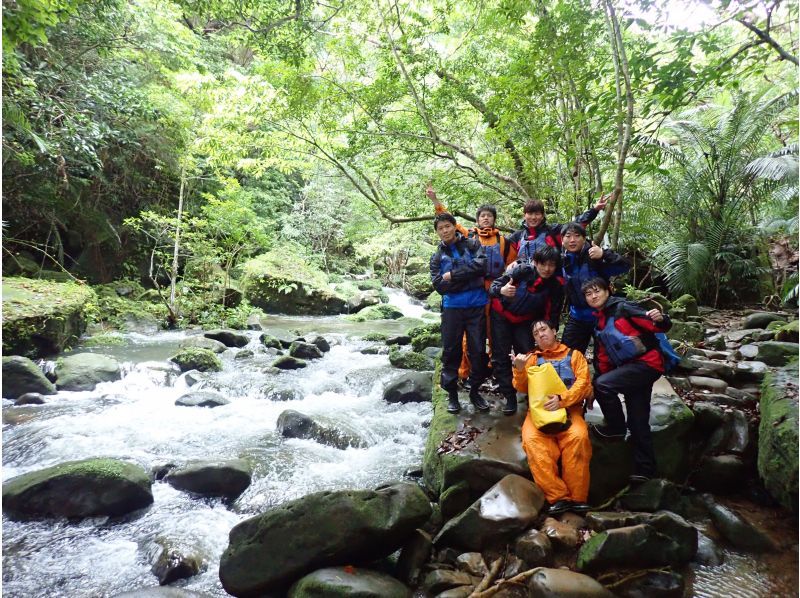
{"x":777,"y":353}
{"x":341,"y":582}
{"x":84,"y":371}
{"x":88,"y":488}
{"x":193,"y":358}
{"x":376,"y":312}
{"x":778,"y":436}
{"x":789,"y":333}
{"x":431,"y":328}
{"x":423,"y":341}
{"x":42,"y":317}
{"x":419,"y":285}
{"x":687,"y":304}
{"x":434,"y":302}
{"x":687,"y":332}
{"x":410,"y":360}
{"x":21,"y":376}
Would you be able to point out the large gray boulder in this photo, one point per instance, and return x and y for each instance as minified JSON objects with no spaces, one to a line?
{"x":761,"y":319}
{"x":84,"y":371}
{"x":664,"y":539}
{"x":269,"y":552}
{"x":735,"y":529}
{"x":777,"y":353}
{"x":413,"y":387}
{"x":293,"y":424}
{"x":506,"y":509}
{"x":227,"y":479}
{"x":21,"y":376}
{"x":302,"y":350}
{"x":201,"y":398}
{"x":201,"y":342}
{"x":334,"y":582}
{"x":87,"y":488}
{"x":229,"y":338}
{"x":172,"y":561}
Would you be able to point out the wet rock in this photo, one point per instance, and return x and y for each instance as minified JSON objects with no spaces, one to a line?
{"x":21,"y":376}
{"x":711,"y":384}
{"x":712,"y":369}
{"x":736,"y":530}
{"x":410,"y":360}
{"x":400,"y":340}
{"x":789,"y":332}
{"x":778,"y":436}
{"x":360,"y":300}
{"x":715,"y":341}
{"x":84,"y":371}
{"x":652,"y":496}
{"x":202,"y":360}
{"x":574,"y":520}
{"x":281,"y":394}
{"x":376,"y":312}
{"x":202,"y":342}
{"x":201,"y":398}
{"x":687,"y":332}
{"x":747,"y":352}
{"x":293,"y":424}
{"x":286,"y":362}
{"x":751,"y":371}
{"x":671,"y":422}
{"x":30,"y":398}
{"x":193,"y":377}
{"x":653,"y":584}
{"x":268,"y":552}
{"x":321,"y":343}
{"x":87,"y":488}
{"x":348,"y":581}
{"x":375,"y":350}
{"x":245,"y":354}
{"x":171,"y":562}
{"x":666,"y":539}
{"x":708,"y":416}
{"x":254,"y":322}
{"x":229,"y":338}
{"x":719,"y":473}
{"x":472,"y":563}
{"x":412,"y":387}
{"x":599,"y":521}
{"x":749,"y":335}
{"x":434,"y":353}
{"x":562,"y":536}
{"x":553,"y":583}
{"x":414,"y":554}
{"x":741,"y":395}
{"x":777,"y":353}
{"x":226,"y":479}
{"x":761,"y":319}
{"x":423,"y":341}
{"x":708,"y":553}
{"x":441,"y":580}
{"x":161,"y":592}
{"x":303,"y":350}
{"x":513,"y":566}
{"x":269,"y":341}
{"x":506,"y":509}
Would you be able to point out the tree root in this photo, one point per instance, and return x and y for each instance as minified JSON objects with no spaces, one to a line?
{"x":517,"y":579}
{"x":488,"y":578}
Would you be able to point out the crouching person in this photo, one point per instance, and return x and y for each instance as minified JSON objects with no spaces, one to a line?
{"x":627,"y":361}
{"x":457,"y":272}
{"x":569,"y":490}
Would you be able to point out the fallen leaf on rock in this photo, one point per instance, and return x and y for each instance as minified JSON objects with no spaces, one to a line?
{"x":458,"y":439}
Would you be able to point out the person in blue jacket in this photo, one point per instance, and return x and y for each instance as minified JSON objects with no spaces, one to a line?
{"x":583,"y":261}
{"x":457,"y":272}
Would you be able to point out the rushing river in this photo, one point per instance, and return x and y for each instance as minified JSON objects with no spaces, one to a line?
{"x":136,"y":419}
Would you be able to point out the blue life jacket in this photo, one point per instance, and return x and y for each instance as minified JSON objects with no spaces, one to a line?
{"x":527,"y":247}
{"x":495,"y":257}
{"x":581,"y":272}
{"x":669,"y":356}
{"x":563,"y":368}
{"x":475,"y":294}
{"x":620,"y":347}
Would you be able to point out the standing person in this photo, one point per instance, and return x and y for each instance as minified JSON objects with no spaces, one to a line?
{"x":457,"y":269}
{"x":584,"y":261}
{"x":535,"y":232}
{"x":627,"y":362}
{"x":499,"y":254}
{"x":528,"y":292}
{"x":570,"y":490}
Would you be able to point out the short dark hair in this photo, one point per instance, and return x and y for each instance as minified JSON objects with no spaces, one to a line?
{"x":548,"y":323}
{"x":533,"y":206}
{"x":598,"y":282}
{"x":443,"y":217}
{"x":547,"y":254}
{"x":573,"y":227}
{"x":486,"y":208}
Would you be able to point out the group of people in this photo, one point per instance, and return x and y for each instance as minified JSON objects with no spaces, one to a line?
{"x":512,"y":290}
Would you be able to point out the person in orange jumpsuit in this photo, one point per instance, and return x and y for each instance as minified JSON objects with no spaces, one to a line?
{"x":500,"y":253}
{"x":569,"y":490}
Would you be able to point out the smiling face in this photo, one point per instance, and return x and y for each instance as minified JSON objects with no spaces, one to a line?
{"x":596,"y":297}
{"x":533,"y":219}
{"x":486,"y":219}
{"x":573,"y":242}
{"x":446,"y":231}
{"x":544,"y":336}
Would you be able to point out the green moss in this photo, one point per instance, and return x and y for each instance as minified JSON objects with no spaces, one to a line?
{"x":375,"y":336}
{"x":410,"y":360}
{"x":442,"y":425}
{"x":103,"y":340}
{"x":421,"y":341}
{"x":193,"y":358}
{"x":376,"y":312}
{"x":590,"y":549}
{"x":423,"y":329}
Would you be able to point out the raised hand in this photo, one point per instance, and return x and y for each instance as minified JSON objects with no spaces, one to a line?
{"x":595,"y":252}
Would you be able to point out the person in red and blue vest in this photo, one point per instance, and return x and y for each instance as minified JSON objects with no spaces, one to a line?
{"x":536,"y":232}
{"x":627,"y":361}
{"x":457,"y":272}
{"x":528,"y":292}
{"x":583,"y":261}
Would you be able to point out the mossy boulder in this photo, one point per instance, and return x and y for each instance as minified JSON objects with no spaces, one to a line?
{"x":348,"y":582}
{"x":41,"y":317}
{"x":416,"y":265}
{"x":777,"y":353}
{"x":687,"y":303}
{"x":788,"y":333}
{"x":410,"y":360}
{"x":269,"y":552}
{"x":229,"y":338}
{"x":84,"y":371}
{"x":201,"y":342}
{"x":419,"y":285}
{"x":378,"y":337}
{"x":434,"y":302}
{"x":226,"y":479}
{"x":778,"y":436}
{"x":376,"y":312}
{"x":687,"y":332}
{"x":423,"y":341}
{"x":369,"y":284}
{"x":281,"y":282}
{"x":193,"y":358}
{"x":431,"y":328}
{"x":87,"y":488}
{"x":761,"y":319}
{"x":22,"y":376}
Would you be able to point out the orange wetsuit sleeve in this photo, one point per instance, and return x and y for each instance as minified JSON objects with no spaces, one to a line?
{"x":582,"y":388}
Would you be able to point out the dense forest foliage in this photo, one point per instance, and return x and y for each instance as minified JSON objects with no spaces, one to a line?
{"x":305,"y":131}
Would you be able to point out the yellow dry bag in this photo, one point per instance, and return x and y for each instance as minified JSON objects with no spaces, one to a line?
{"x":543,"y":381}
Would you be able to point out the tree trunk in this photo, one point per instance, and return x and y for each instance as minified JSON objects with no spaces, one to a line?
{"x":173,"y":278}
